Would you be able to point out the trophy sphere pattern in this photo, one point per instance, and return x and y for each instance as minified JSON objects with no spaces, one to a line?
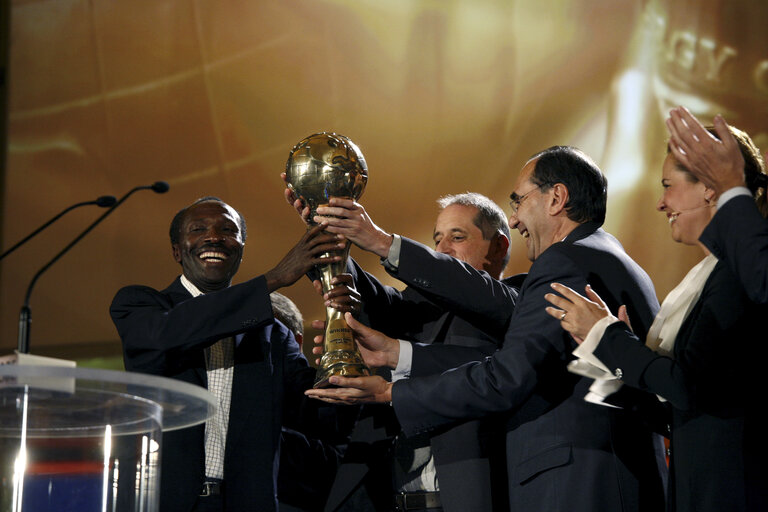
{"x":324,"y":165}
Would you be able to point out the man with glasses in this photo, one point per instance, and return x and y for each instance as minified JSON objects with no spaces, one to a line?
{"x":516,"y":200}
{"x":563,"y":453}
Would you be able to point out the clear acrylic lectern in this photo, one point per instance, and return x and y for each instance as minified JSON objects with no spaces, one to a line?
{"x":81,"y":440}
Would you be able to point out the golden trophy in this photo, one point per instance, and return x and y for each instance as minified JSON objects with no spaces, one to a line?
{"x":319,"y":167}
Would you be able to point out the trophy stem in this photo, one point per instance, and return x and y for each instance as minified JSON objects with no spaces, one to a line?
{"x":340,"y":353}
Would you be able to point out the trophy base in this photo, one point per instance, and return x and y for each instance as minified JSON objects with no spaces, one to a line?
{"x":340,"y":370}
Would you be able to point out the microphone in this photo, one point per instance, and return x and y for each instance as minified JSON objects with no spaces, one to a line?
{"x":161,"y":187}
{"x":103,"y":202}
{"x":25,"y":316}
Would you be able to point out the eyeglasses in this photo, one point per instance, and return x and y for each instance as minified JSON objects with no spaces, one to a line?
{"x":517,"y":200}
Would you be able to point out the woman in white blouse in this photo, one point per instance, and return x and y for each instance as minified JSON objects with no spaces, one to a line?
{"x":704,"y":355}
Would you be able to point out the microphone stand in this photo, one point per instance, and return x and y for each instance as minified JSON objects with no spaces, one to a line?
{"x":25,"y":316}
{"x":103,"y":201}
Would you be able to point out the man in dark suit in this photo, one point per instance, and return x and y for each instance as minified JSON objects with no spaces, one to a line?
{"x":738,"y":233}
{"x":563,"y":453}
{"x":203,"y":331}
{"x":458,"y":468}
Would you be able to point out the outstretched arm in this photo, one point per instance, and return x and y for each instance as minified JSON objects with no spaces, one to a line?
{"x":450,"y":282}
{"x":162,"y":332}
{"x":302,"y":257}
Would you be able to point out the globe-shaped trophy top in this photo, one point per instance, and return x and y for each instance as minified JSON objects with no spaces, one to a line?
{"x":324,"y":165}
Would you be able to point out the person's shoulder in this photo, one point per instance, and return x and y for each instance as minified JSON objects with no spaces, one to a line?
{"x":137,"y":293}
{"x":598,"y":240}
{"x":725,"y":283}
{"x":135,"y":290}
{"x":598,"y":250}
{"x":560,"y":253}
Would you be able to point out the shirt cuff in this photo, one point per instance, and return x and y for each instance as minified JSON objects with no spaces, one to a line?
{"x":730,"y":194}
{"x":586,"y":350}
{"x":588,"y":365}
{"x":404,"y":361}
{"x":392,"y":261}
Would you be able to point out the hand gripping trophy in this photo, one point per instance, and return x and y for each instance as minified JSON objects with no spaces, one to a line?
{"x":319,"y":167}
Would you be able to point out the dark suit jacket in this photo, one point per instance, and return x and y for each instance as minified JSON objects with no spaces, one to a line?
{"x":738,"y":234}
{"x":164,"y":333}
{"x":464,"y":454}
{"x":563,"y":454}
{"x":718,"y":442}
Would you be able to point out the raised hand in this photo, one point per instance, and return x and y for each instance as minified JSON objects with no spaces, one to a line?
{"x":307,"y":253}
{"x":378,"y":350}
{"x":348,"y":218}
{"x":577,"y":314}
{"x":718,"y":164}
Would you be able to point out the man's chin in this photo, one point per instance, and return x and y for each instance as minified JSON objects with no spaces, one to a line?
{"x":210,"y":283}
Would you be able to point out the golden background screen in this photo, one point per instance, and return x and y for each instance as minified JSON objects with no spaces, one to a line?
{"x":442,"y":96}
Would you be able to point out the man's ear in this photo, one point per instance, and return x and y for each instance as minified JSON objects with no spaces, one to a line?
{"x":559,"y":198}
{"x":500,"y":246}
{"x":709,"y":195}
{"x":176,"y":252}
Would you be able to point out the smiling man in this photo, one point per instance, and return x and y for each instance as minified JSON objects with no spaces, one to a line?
{"x":562,"y":452}
{"x":205,"y":331}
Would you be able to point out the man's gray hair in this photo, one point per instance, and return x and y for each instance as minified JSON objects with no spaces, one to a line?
{"x":490,"y":218}
{"x":287,"y":312}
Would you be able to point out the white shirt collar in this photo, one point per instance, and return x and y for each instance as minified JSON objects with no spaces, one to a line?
{"x":191,"y":288}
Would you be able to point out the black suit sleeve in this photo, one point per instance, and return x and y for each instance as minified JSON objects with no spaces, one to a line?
{"x":399,"y":314}
{"x":533,"y":352}
{"x":448,"y":284}
{"x":709,"y":365}
{"x":161,"y":334}
{"x":456,"y":285}
{"x":738,"y":234}
{"x":434,"y":359}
